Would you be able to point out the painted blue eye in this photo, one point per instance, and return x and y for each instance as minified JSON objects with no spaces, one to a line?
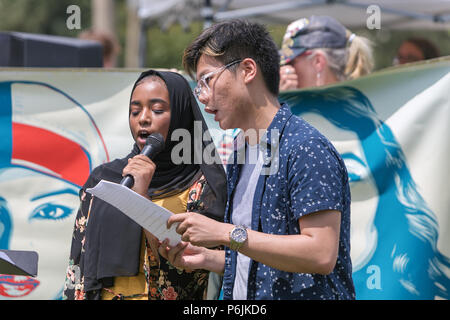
{"x":51,"y":211}
{"x":5,"y":224}
{"x":355,"y":167}
{"x":353,"y":177}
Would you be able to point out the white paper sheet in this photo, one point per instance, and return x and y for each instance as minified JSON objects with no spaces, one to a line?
{"x":144,"y":212}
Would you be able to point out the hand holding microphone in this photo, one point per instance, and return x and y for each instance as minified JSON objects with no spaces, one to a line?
{"x":141,"y":167}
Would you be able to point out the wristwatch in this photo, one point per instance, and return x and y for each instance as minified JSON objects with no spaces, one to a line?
{"x":238,"y":236}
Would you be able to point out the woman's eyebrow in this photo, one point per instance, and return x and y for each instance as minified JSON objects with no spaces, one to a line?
{"x":157,"y":100}
{"x":150,"y":101}
{"x":54,"y":193}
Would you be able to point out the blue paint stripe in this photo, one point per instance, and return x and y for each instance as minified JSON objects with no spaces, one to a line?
{"x":5,"y":123}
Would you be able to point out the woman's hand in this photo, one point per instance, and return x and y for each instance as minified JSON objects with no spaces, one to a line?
{"x":288,"y":78}
{"x":142,"y":169}
{"x":183,"y":255}
{"x":186,"y":256}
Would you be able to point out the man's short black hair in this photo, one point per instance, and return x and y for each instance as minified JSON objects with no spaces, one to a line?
{"x":236,"y":40}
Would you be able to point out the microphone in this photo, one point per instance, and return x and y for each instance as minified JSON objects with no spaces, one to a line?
{"x":153,"y":145}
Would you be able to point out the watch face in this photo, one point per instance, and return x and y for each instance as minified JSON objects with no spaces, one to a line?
{"x":239,"y":234}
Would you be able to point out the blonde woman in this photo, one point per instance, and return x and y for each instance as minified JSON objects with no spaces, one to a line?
{"x":319,"y":51}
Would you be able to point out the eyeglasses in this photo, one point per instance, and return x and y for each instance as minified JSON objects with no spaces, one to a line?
{"x":202,"y":84}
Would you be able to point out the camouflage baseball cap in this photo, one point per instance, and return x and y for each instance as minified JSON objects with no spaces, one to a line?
{"x":315,"y":32}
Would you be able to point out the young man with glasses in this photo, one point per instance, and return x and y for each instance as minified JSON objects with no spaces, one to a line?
{"x":287,"y":233}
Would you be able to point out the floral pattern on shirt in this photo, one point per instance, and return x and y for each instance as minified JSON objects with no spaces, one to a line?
{"x":309,"y":176}
{"x":164,"y":281}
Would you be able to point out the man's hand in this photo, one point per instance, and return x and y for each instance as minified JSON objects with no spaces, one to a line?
{"x":200,"y":230}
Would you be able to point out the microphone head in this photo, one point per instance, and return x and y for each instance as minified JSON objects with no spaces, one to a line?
{"x":156,"y":140}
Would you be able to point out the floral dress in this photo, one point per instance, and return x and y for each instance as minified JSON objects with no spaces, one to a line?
{"x":163,"y":281}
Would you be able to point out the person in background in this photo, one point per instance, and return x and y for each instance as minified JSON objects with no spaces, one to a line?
{"x":415,"y":49}
{"x":319,"y":51}
{"x":111,"y":47}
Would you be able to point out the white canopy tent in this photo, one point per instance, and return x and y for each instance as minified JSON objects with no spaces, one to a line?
{"x":394,"y":14}
{"x":353,"y":13}
{"x":403,"y":14}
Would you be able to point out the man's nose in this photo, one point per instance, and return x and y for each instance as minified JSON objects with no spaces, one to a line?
{"x":203,"y":97}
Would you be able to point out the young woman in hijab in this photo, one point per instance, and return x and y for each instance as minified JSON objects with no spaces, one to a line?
{"x":111,"y":258}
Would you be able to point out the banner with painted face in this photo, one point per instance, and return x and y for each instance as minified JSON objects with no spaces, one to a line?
{"x":55,"y":128}
{"x":391,"y":129}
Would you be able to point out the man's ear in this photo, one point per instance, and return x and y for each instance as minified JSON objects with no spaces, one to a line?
{"x":249,"y":70}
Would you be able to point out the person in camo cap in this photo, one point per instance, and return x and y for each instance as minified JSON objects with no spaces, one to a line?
{"x":319,"y":50}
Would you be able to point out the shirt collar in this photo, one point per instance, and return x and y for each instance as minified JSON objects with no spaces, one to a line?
{"x":269,"y":142}
{"x":273,"y":132}
{"x":276,"y":127}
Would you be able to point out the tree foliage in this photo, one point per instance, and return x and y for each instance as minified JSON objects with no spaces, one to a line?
{"x":41,"y":16}
{"x":165,"y":48}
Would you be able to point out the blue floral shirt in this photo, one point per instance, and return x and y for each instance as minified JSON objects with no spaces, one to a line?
{"x":302,"y":174}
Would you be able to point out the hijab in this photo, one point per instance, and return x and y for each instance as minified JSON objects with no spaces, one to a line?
{"x":113,"y":240}
{"x":171,"y":178}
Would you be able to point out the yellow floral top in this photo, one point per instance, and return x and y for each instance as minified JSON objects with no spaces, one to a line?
{"x":157,"y":278}
{"x":136,"y":288}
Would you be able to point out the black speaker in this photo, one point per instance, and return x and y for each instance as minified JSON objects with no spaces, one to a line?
{"x":37,"y":50}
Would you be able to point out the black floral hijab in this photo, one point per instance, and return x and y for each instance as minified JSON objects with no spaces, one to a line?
{"x":112,"y":239}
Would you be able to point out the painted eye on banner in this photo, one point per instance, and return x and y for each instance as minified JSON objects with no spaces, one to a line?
{"x":51,"y":211}
{"x":356,"y":168}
